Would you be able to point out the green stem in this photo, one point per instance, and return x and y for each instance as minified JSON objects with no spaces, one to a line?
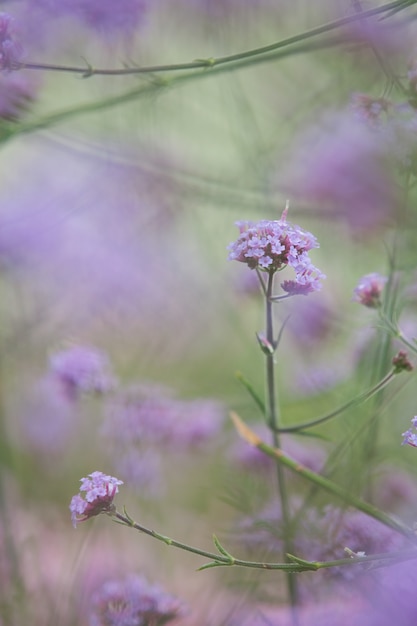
{"x":200,"y":68}
{"x":273,"y":423}
{"x":366,"y":395}
{"x":395,"y":331}
{"x":293,"y":566}
{"x":216,"y":558}
{"x":216,"y":61}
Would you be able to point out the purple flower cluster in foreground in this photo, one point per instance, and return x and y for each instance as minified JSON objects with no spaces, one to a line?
{"x":369,"y":289}
{"x":133,"y":602}
{"x":271,"y":245}
{"x":410,"y":437}
{"x":82,"y":369}
{"x":100,"y":490}
{"x":10,"y":49}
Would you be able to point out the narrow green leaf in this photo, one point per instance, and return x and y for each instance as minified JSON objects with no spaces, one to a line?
{"x":222,"y":550}
{"x":212,"y":564}
{"x":254,"y":395}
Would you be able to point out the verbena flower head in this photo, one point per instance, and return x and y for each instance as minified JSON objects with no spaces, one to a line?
{"x":369,"y":289}
{"x":82,"y":369}
{"x":271,"y":245}
{"x":100,"y":490}
{"x":10,"y":49}
{"x":134,"y":602}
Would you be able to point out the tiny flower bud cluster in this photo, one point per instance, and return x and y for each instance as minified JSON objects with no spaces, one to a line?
{"x":10,"y":50}
{"x":100,"y":490}
{"x":402,"y":363}
{"x":271,"y":245}
{"x":410,"y":437}
{"x":369,"y":289}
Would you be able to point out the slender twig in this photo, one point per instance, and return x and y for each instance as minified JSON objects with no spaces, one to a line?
{"x":273,"y":423}
{"x":366,"y":395}
{"x":216,"y":61}
{"x":293,"y":565}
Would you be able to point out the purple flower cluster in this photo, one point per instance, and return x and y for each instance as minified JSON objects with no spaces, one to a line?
{"x":133,"y":602}
{"x":10,"y":49}
{"x":100,"y":490}
{"x":271,"y":245}
{"x":369,"y":289}
{"x":410,"y":437}
{"x":82,"y":369}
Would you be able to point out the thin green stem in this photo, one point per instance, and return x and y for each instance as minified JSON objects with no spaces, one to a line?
{"x":395,"y":331}
{"x":294,"y":564}
{"x":216,"y":558}
{"x":197,"y":70}
{"x":273,"y":423}
{"x":366,"y":395}
{"x":216,"y":61}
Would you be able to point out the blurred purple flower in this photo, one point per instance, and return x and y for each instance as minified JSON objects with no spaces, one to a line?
{"x":370,"y":110}
{"x":133,"y":602}
{"x":10,"y":49}
{"x":17,"y":93}
{"x":153,"y":415}
{"x":100,"y":490}
{"x":345,"y":168}
{"x":141,"y":469}
{"x":101,"y":16}
{"x":324,"y":535}
{"x":311,"y":322}
{"x":369,"y":289}
{"x":82,"y":369}
{"x":393,"y":599}
{"x":395,"y":490}
{"x":318,"y":377}
{"x":47,"y":418}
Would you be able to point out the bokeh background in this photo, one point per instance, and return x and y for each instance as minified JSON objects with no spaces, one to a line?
{"x":118,"y":199}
